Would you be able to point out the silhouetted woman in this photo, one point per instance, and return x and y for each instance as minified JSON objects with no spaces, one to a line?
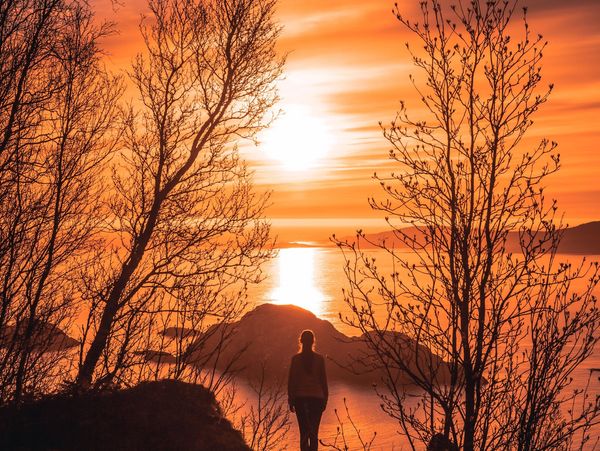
{"x":307,"y":391}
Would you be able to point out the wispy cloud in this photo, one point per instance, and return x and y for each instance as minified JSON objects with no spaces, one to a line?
{"x":349,"y":67}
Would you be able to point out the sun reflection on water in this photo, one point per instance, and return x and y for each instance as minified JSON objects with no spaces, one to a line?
{"x":297,"y":282}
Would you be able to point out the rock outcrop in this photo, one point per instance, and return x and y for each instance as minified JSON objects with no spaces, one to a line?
{"x":268,"y":337}
{"x":164,"y":415}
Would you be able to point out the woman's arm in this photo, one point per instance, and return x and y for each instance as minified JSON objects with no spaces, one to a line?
{"x":324,"y":381}
{"x":291,"y":385}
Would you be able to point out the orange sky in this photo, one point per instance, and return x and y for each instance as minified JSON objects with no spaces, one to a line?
{"x":347,"y":70}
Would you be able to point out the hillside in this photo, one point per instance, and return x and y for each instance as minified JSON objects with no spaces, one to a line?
{"x":164,"y":415}
{"x":268,"y":335}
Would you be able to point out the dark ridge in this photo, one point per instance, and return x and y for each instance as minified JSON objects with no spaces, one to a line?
{"x":164,"y":415}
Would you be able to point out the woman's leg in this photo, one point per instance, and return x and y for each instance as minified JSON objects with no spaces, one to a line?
{"x":303,"y":415}
{"x":315,"y":408}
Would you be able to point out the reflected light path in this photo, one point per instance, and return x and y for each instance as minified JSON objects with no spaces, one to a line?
{"x":297,"y":284}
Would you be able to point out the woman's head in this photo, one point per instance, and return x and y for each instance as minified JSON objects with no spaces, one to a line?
{"x":307,"y":339}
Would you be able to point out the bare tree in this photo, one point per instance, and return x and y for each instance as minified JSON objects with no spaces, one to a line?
{"x":267,"y":421}
{"x":476,"y":277}
{"x":343,"y":436}
{"x":189,"y":229}
{"x":57,"y":119}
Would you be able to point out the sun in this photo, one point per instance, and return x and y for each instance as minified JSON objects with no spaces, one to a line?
{"x":299,"y":139}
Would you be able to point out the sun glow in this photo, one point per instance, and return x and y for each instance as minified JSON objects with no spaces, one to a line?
{"x":297,"y":285}
{"x":298,"y":139}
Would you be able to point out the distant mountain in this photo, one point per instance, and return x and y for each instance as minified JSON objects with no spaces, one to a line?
{"x":583,"y":239}
{"x":46,"y":338}
{"x":268,"y":336}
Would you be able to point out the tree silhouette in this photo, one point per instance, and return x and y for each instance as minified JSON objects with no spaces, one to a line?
{"x":190,"y":229}
{"x":57,"y":117}
{"x":507,"y":321}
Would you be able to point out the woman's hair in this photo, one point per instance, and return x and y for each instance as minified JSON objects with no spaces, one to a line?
{"x":307,"y":340}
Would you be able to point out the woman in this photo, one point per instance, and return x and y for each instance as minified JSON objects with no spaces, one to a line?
{"x":307,"y":391}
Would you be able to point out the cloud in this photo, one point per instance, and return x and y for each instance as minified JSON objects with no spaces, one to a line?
{"x":348,"y":64}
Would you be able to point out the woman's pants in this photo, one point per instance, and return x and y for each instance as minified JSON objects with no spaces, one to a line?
{"x":308,"y":411}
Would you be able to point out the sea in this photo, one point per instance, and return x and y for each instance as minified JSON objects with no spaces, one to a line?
{"x":313,"y":278}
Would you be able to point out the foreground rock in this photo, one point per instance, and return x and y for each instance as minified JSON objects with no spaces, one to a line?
{"x":267,"y":337}
{"x":165,"y":415}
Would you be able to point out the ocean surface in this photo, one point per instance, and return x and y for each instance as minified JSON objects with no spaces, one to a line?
{"x":313,"y":278}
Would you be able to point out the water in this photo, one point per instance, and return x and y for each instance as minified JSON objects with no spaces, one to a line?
{"x":313,"y":278}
